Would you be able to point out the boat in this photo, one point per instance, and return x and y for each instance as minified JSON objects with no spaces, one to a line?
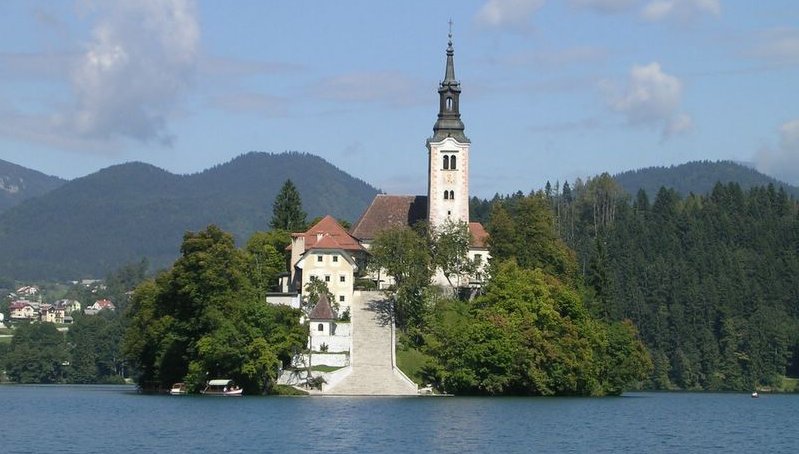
{"x":755,"y":395}
{"x":179,"y":389}
{"x":222,"y":387}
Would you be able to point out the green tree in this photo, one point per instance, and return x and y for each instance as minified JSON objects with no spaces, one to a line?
{"x":202,"y":319}
{"x":264,"y":261}
{"x":287,"y":213}
{"x":450,"y":252}
{"x":37,"y":354}
{"x":404,"y":255}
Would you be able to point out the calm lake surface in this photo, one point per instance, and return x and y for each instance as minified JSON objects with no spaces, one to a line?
{"x":105,"y":419}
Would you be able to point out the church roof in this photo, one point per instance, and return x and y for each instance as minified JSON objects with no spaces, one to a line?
{"x":479,"y":235}
{"x":329,"y":234}
{"x":389,"y":211}
{"x":322,"y":310}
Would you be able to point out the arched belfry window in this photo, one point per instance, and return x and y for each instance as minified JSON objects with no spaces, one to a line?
{"x":321,"y":327}
{"x":452,"y":195}
{"x":449,"y":104}
{"x":446,"y":162}
{"x":452,"y":163}
{"x":446,"y":195}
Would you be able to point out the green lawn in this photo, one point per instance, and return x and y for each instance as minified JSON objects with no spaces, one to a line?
{"x":325,"y":368}
{"x":789,"y":385}
{"x":410,"y":361}
{"x":5,"y":340}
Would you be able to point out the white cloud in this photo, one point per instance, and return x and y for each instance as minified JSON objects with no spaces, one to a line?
{"x":782,"y":162}
{"x":684,"y":9}
{"x":141,"y":59}
{"x":604,"y":6}
{"x":651,"y":98}
{"x":500,"y":13}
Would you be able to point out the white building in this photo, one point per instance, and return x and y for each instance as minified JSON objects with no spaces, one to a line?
{"x":328,"y":253}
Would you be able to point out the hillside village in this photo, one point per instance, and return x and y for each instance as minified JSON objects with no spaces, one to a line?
{"x":25,"y":304}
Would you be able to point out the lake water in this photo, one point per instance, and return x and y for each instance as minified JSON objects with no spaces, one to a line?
{"x":114,"y":419}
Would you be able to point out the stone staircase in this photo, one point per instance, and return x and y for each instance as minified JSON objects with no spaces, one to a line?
{"x":373,"y":372}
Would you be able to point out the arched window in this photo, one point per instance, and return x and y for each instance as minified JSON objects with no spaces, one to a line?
{"x":446,"y":195}
{"x":452,"y":163}
{"x":452,"y":195}
{"x":446,"y":162}
{"x":449,"y":104}
{"x":321,"y":327}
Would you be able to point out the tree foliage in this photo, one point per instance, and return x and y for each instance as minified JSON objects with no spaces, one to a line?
{"x":287,"y":211}
{"x":202,"y":319}
{"x":37,"y":354}
{"x":709,"y":281}
{"x":404,"y":255}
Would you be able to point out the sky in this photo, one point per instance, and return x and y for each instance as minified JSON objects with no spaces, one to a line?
{"x":553,"y":90}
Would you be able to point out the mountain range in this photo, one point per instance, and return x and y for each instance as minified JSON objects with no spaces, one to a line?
{"x":91,"y":225}
{"x":56,"y":229}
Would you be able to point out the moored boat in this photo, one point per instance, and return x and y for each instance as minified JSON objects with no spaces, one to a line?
{"x":179,"y":389}
{"x":222,"y":387}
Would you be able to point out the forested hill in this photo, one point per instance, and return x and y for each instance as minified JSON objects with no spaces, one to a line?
{"x":18,"y":183}
{"x":696,"y":177}
{"x":123,"y":213}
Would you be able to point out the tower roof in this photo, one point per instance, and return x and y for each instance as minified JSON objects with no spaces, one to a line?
{"x":449,"y":122}
{"x":322,"y":310}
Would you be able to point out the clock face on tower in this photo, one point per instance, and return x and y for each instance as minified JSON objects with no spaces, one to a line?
{"x":449,"y":178}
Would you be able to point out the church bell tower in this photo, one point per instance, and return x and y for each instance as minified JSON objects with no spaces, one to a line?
{"x":448,"y":154}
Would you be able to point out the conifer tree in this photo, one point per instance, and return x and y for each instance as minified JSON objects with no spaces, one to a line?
{"x":287,"y":213}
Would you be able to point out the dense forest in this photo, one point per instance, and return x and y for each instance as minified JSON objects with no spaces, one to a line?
{"x":711,"y":282}
{"x":696,"y":177}
{"x":131,"y":211}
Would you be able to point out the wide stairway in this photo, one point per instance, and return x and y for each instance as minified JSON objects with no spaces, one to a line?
{"x":372,"y":370}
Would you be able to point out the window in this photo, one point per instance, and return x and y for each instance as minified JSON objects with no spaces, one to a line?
{"x":446,"y":195}
{"x":478,"y":258}
{"x":446,"y":162}
{"x":327,"y":278}
{"x":449,"y":103}
{"x":342,"y":278}
{"x":320,"y":327}
{"x":452,"y":162}
{"x":318,"y":258}
{"x":451,"y":195}
{"x":335,"y":258}
{"x":341,"y":298}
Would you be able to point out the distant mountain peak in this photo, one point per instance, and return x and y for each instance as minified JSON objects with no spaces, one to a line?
{"x":696,"y":177}
{"x":18,"y":184}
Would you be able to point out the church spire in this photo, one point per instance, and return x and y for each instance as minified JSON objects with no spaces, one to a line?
{"x":449,"y":122}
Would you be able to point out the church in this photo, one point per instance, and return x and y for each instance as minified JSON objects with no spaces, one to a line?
{"x":330,"y":253}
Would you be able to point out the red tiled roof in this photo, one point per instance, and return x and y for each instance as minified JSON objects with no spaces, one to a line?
{"x":479,"y":235}
{"x":388,"y":211}
{"x":104,"y":303}
{"x":322,"y":310}
{"x":329,"y":234}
